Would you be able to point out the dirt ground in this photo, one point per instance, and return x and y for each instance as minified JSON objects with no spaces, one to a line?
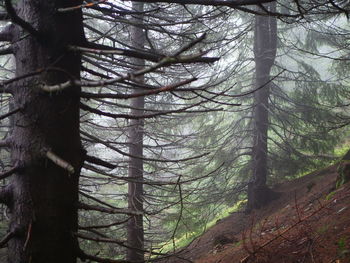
{"x":309,"y":223}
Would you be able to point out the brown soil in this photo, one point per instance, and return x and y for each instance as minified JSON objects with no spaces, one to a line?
{"x":309,"y":223}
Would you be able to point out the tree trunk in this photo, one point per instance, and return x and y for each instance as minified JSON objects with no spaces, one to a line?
{"x":135,"y":232}
{"x":44,"y":197}
{"x":265,"y":42}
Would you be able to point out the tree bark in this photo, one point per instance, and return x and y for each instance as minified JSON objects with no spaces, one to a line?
{"x":44,"y":195}
{"x":135,"y":232}
{"x":265,"y":44}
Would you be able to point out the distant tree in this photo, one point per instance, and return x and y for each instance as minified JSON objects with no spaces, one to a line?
{"x":135,"y":231}
{"x":297,"y":103}
{"x":265,"y":48}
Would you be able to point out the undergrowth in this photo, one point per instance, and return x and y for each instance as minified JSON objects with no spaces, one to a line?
{"x":296,"y":239}
{"x":188,"y":237}
{"x":338,"y":153}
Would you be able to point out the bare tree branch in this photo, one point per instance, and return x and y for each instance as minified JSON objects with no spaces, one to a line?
{"x":97,"y":200}
{"x":60,"y":162}
{"x":10,"y":172}
{"x":19,"y":21}
{"x":108,"y":210}
{"x":88,"y":5}
{"x":141,"y":157}
{"x":228,"y":3}
{"x":6,"y":51}
{"x":104,"y":226}
{"x":165,"y":61}
{"x":140,"y":94}
{"x":105,"y":50}
{"x":6,"y":239}
{"x":101,"y":239}
{"x":10,"y":113}
{"x":100,"y":162}
{"x":346,"y":12}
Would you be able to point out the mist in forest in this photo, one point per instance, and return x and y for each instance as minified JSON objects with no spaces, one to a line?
{"x":130,"y":130}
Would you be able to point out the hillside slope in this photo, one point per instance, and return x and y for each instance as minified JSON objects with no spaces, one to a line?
{"x":310,"y":222}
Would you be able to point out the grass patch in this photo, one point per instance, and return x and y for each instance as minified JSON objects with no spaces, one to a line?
{"x":188,"y":237}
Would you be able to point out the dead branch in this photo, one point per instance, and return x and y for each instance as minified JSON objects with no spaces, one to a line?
{"x":10,"y":172}
{"x":123,"y":244}
{"x":122,"y":211}
{"x":100,"y":162}
{"x":140,"y":157}
{"x":97,"y":200}
{"x":6,"y":239}
{"x":95,"y":232}
{"x":164,"y":62}
{"x":104,"y":226}
{"x":96,"y":48}
{"x":346,"y":12}
{"x":140,"y":94}
{"x":72,"y":8}
{"x":101,"y":239}
{"x":19,"y":21}
{"x":10,"y":113}
{"x":60,"y":162}
{"x":147,"y":116}
{"x":231,"y":3}
{"x":5,"y":85}
{"x":6,"y":51}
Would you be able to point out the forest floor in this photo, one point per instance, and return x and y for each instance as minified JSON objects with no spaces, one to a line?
{"x":310,"y":222}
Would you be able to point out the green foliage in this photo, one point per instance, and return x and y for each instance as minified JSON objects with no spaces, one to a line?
{"x":342,"y":250}
{"x":342,"y":148}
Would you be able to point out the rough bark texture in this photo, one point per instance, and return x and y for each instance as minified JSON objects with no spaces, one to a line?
{"x":135,"y":232}
{"x":44,"y":197}
{"x":265,"y":41}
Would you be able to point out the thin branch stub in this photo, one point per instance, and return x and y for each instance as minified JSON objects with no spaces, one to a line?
{"x":60,"y":162}
{"x":58,"y":87}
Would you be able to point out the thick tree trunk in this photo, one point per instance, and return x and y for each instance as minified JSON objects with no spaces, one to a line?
{"x":135,"y":232}
{"x":265,"y":41}
{"x":44,"y":195}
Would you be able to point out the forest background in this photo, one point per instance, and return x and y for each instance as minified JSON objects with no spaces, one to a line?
{"x":129,"y":128}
